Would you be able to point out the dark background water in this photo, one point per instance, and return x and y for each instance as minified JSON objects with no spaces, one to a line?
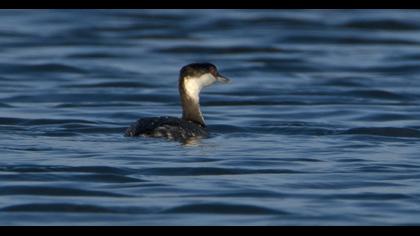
{"x":321,"y":125}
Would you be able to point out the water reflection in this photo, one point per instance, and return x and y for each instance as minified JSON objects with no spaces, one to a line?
{"x":192,"y":141}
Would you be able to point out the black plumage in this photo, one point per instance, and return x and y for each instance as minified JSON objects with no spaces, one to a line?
{"x":168,"y":127}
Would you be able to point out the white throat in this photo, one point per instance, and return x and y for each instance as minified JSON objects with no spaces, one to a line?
{"x":193,"y":85}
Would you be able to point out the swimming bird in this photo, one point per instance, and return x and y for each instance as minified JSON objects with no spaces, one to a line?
{"x":192,"y":79}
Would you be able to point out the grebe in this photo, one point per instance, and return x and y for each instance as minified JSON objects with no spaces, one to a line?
{"x":192,"y":79}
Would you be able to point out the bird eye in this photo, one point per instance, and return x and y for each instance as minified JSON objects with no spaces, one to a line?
{"x":213,"y":71}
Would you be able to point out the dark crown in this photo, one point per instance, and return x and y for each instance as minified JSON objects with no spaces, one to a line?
{"x":197,"y":69}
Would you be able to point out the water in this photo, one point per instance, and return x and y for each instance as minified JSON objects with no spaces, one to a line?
{"x":320,"y":126}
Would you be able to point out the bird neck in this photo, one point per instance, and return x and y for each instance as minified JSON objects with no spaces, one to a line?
{"x":190,"y":100}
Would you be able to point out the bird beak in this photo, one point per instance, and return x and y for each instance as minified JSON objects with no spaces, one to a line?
{"x":222,"y":79}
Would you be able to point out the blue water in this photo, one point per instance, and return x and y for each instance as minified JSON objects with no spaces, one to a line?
{"x":320,"y":125}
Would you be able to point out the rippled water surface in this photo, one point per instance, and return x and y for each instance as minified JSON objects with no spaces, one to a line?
{"x":320,"y":125}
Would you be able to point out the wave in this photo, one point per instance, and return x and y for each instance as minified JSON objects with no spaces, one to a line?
{"x":89,"y":97}
{"x":32,"y":122}
{"x":207,"y":208}
{"x":382,"y":24}
{"x":113,"y":85}
{"x":304,"y":128}
{"x":72,"y":208}
{"x":222,"y":208}
{"x":68,"y":169}
{"x":220,"y":50}
{"x":385,"y":131}
{"x":41,"y":68}
{"x":54,"y":191}
{"x":349,"y":40}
